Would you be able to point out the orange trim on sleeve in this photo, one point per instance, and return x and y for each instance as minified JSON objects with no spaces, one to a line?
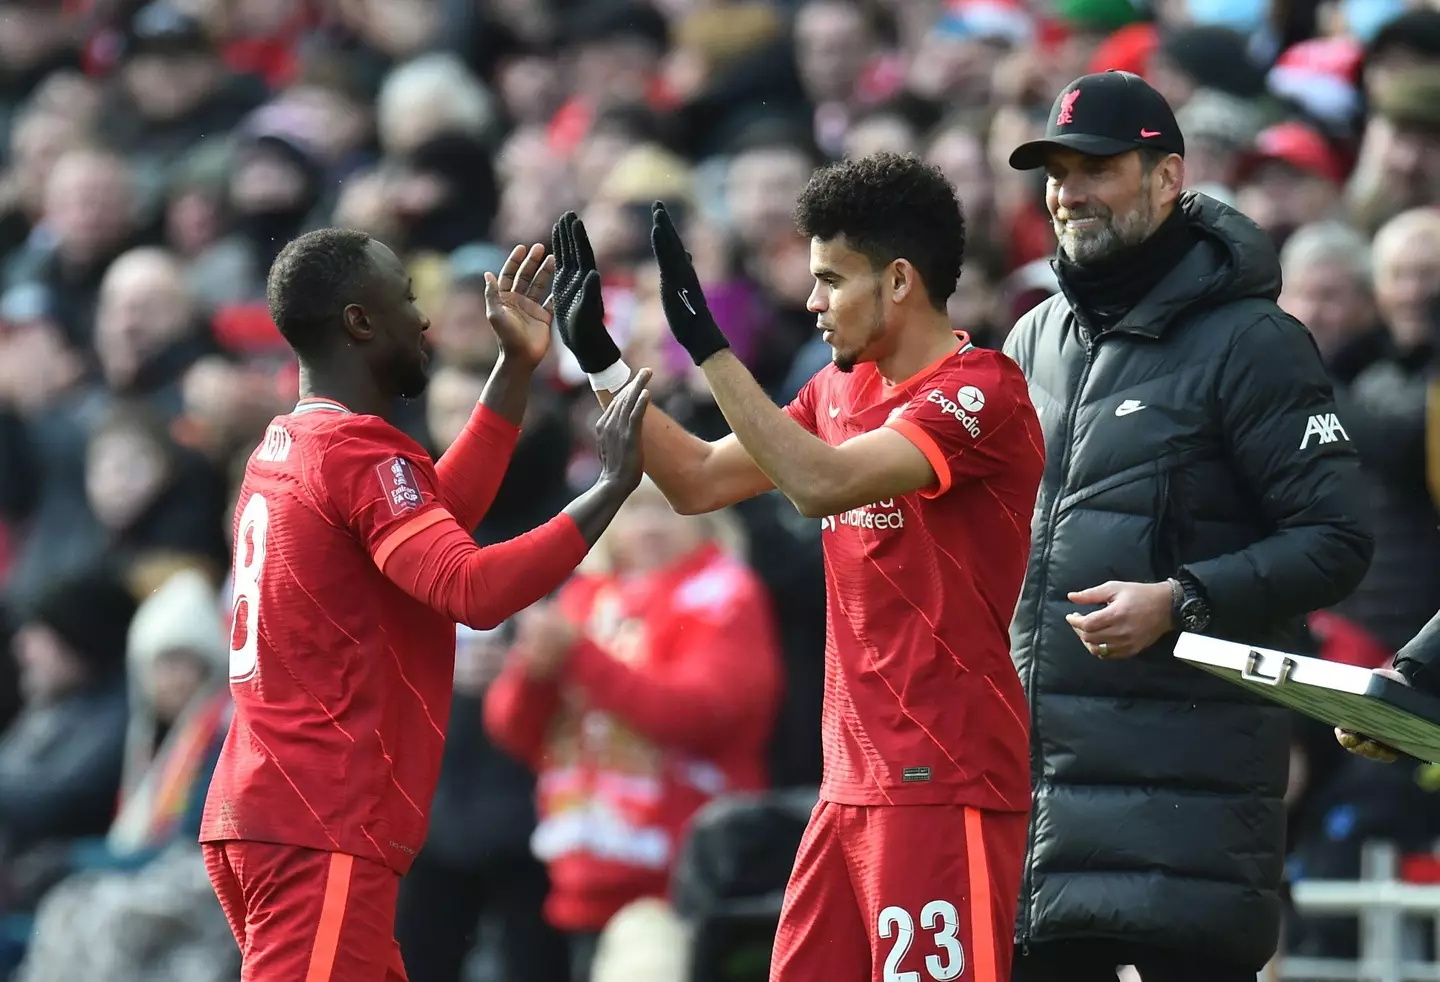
{"x":982,"y":904}
{"x":916,"y":434}
{"x":397,"y":538}
{"x":332,"y":916}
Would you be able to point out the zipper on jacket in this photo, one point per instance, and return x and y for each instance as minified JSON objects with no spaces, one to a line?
{"x":1069,"y":432}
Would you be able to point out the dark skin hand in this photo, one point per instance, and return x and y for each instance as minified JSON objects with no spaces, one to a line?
{"x":519,"y":306}
{"x":617,"y":437}
{"x":1363,"y":746}
{"x":521,"y":310}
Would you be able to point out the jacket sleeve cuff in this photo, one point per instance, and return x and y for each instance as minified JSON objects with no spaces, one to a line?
{"x":1219,"y":590}
{"x":1417,"y":660}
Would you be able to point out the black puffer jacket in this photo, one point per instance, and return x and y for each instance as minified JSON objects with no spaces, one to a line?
{"x":1197,"y":433}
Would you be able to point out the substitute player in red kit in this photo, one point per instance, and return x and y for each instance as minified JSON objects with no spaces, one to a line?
{"x":921,"y":455}
{"x":353,"y":561}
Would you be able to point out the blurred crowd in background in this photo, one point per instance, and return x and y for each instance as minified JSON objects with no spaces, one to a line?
{"x":155,"y":157}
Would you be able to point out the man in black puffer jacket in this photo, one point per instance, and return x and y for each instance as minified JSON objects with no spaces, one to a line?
{"x":1198,"y":478}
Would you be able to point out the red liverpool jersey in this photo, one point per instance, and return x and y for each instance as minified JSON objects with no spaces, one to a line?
{"x":342,"y":681}
{"x":922,"y":702}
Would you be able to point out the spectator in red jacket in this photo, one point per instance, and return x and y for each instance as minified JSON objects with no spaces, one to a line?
{"x":646,"y":690}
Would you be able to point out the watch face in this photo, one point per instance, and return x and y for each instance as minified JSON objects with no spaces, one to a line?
{"x":1195,"y":616}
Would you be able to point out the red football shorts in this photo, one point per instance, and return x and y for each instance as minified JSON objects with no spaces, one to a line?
{"x":300,"y":915}
{"x":901,"y":893}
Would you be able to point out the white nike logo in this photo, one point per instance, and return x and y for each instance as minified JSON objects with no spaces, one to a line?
{"x":685,"y":299}
{"x":1129,"y":406}
{"x":834,"y":411}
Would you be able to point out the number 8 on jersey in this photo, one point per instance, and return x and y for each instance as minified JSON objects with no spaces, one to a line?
{"x":249,"y":563}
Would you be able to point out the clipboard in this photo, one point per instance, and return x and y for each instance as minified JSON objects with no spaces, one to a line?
{"x":1346,"y":696}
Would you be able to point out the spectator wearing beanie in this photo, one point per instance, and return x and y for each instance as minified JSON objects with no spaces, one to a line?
{"x":1410,"y":41}
{"x":60,"y":760}
{"x":1196,"y":57}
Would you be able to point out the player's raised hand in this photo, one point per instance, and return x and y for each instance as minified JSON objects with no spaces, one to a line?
{"x":680,"y":294}
{"x":579,"y":307}
{"x":617,"y":434}
{"x":1363,"y":746}
{"x":519,"y":305}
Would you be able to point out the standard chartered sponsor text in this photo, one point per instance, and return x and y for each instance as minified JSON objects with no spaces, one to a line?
{"x":884,"y":514}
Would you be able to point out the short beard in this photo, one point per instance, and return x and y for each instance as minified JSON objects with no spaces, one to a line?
{"x":412,"y":380}
{"x":847,"y":363}
{"x":1112,"y":236}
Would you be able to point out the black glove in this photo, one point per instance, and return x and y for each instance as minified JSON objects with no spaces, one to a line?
{"x":680,"y":292}
{"x":579,"y":307}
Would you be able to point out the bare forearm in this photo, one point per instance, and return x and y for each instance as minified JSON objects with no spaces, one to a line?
{"x":595,"y":509}
{"x":676,"y":460}
{"x":508,"y":390}
{"x":800,"y":464}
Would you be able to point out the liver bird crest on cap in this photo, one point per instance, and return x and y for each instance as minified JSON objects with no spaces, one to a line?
{"x":1067,"y":105}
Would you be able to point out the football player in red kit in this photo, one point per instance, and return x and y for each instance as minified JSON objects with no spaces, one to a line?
{"x":353,"y":561}
{"x":920,"y":455}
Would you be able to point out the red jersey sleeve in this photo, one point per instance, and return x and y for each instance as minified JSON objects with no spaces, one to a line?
{"x":468,"y":475}
{"x":802,"y":408}
{"x":379,"y":484}
{"x":966,"y":419}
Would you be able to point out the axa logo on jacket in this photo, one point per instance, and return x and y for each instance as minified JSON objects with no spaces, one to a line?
{"x":1326,"y":426}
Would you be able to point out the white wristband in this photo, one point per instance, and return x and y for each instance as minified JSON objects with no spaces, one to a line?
{"x":611,"y":379}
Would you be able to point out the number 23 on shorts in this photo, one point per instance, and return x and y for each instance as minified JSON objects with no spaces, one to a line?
{"x":942,"y":920}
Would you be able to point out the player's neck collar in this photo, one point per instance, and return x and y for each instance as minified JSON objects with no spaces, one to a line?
{"x":962,"y":337}
{"x":316,"y":405}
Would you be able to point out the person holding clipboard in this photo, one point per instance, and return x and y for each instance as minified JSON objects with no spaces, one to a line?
{"x":1415,"y":665}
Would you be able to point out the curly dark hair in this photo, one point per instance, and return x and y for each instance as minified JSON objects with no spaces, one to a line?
{"x":890,"y":206}
{"x":310,"y":282}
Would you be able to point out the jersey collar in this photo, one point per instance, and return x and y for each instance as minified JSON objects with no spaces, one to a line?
{"x":314,"y":405}
{"x":965,"y":345}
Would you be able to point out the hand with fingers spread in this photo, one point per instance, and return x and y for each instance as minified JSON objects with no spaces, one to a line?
{"x":1134,"y":617}
{"x":1363,"y":746}
{"x":519,"y":305}
{"x":680,"y":293}
{"x":617,"y":434}
{"x":579,"y":306}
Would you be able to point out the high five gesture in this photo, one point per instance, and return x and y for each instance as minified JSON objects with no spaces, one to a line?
{"x":519,"y":305}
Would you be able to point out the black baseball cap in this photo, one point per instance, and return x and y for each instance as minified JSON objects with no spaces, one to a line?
{"x":1102,"y":115}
